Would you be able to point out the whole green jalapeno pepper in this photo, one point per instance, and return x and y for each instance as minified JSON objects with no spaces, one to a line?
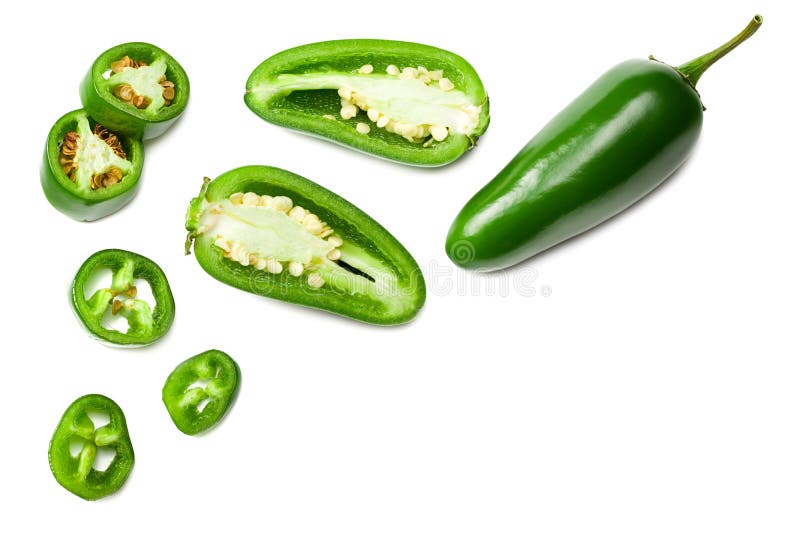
{"x":145,"y":325}
{"x":200,"y":390}
{"x":136,"y":89}
{"x":88,"y":171}
{"x":77,"y":440}
{"x":273,"y":233}
{"x":606,"y":150}
{"x":406,"y":102}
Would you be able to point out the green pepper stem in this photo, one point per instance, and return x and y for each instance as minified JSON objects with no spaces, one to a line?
{"x":695,"y":68}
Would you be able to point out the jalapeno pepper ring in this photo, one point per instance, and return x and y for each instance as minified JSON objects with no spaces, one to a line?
{"x":75,"y":444}
{"x":199,"y":392}
{"x":406,"y":102}
{"x":144,"y":325}
{"x":88,"y":171}
{"x":137,"y":89}
{"x":273,"y":233}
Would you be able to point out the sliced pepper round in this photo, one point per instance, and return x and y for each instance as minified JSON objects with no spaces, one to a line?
{"x":87,"y":170}
{"x":273,"y":233}
{"x":136,"y":89}
{"x":75,"y":444}
{"x":407,"y":102}
{"x":144,"y":325}
{"x":200,"y":390}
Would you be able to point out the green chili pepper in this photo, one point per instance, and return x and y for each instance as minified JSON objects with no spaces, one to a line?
{"x":76,"y":442}
{"x":200,"y":390}
{"x":87,"y":171}
{"x":406,"y":102}
{"x":277,"y":234}
{"x":136,"y":89}
{"x":144,"y":325}
{"x":610,"y":147}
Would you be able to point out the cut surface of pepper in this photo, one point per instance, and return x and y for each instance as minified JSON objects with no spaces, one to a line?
{"x":427,"y":111}
{"x":199,"y":392}
{"x":78,"y":441}
{"x":89,"y":171}
{"x":135,"y":88}
{"x":145,"y":325}
{"x":274,"y":233}
{"x":609,"y":148}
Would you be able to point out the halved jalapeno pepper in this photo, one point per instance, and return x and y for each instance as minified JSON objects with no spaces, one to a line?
{"x":145,"y":325}
{"x":200,"y":390}
{"x":88,"y":171}
{"x":407,"y":102}
{"x":78,"y":442}
{"x":136,"y":89}
{"x":273,"y":233}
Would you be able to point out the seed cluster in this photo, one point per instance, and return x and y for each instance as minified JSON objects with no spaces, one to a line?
{"x":416,"y":133}
{"x":116,"y":304}
{"x":237,"y":252}
{"x":126,"y":92}
{"x":69,"y":151}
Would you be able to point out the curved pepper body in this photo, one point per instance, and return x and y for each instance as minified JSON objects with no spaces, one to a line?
{"x":199,"y":392}
{"x":96,"y":92}
{"x":350,"y":265}
{"x":297,"y":88}
{"x":611,"y":146}
{"x":85,"y":204}
{"x":145,"y":325}
{"x":77,"y":440}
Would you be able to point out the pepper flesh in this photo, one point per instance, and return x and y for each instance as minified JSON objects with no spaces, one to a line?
{"x":137,"y":89}
{"x":611,"y":146}
{"x":428,"y":111}
{"x":76,"y":442}
{"x":274,"y":233}
{"x":199,"y":392}
{"x":145,"y":325}
{"x":87,"y":171}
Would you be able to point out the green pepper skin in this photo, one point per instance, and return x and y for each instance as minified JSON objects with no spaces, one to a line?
{"x":182,"y":402}
{"x":62,"y":193}
{"x":146,"y":326}
{"x":75,"y":473}
{"x":105,"y":108}
{"x":356,"y":227}
{"x":610,"y":147}
{"x":304,"y":110}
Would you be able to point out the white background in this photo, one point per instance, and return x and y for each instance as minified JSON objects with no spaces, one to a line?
{"x":655,"y":390}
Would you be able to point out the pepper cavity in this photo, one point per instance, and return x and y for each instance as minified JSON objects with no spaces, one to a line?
{"x":93,"y":157}
{"x":141,"y":85}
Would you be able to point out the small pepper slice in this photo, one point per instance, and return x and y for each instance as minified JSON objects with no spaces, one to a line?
{"x":273,"y":233}
{"x":403,"y":101}
{"x":88,"y":171}
{"x":200,"y":390}
{"x":76,"y":442}
{"x":136,"y":89}
{"x":144,"y":325}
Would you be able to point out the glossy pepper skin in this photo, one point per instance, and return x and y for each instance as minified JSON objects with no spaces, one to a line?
{"x":145,"y":325}
{"x":76,"y":472}
{"x":611,"y":146}
{"x":65,"y":195}
{"x":197,"y":408}
{"x":396,"y":291}
{"x":101,"y":104}
{"x":316,"y":112}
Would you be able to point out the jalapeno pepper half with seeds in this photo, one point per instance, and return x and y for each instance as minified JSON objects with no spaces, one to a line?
{"x":406,"y":102}
{"x":145,"y":325}
{"x":606,"y":150}
{"x":136,"y":89}
{"x":88,"y":171}
{"x":273,"y":233}
{"x":76,"y":442}
{"x":200,"y":390}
